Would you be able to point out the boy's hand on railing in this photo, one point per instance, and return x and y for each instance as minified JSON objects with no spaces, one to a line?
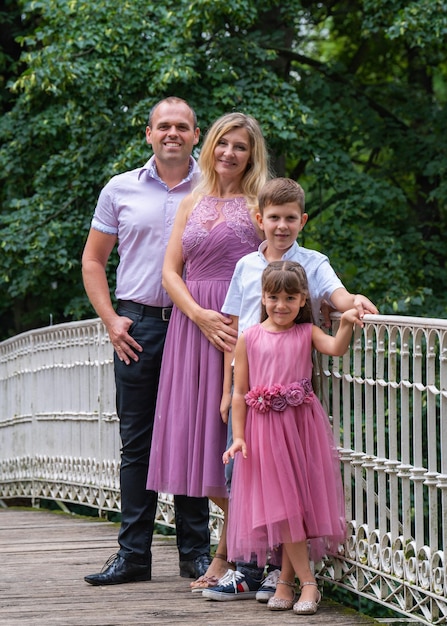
{"x":364,"y":305}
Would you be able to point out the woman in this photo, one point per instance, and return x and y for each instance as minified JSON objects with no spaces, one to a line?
{"x":215,"y":226}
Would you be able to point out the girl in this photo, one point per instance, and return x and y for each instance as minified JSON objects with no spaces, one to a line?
{"x":286,"y":486}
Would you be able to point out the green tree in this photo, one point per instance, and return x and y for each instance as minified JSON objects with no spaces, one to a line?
{"x":350,"y":94}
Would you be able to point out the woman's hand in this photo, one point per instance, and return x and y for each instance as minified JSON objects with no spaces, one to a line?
{"x":216,"y":328}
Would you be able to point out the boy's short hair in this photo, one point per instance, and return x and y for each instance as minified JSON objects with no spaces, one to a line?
{"x":279,"y":191}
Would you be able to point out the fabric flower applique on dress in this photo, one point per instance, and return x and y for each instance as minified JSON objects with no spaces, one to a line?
{"x":258,"y":398}
{"x":279,"y":397}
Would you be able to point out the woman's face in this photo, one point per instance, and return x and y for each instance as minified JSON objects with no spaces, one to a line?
{"x":232,"y":153}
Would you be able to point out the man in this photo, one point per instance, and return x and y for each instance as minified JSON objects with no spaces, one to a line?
{"x":136,"y":209}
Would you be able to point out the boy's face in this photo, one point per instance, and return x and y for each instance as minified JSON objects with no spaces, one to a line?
{"x":281,"y":225}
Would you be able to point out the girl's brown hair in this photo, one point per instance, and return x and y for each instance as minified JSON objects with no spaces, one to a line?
{"x":290,"y":277}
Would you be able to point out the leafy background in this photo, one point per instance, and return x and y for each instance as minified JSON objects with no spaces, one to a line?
{"x":351,"y":96}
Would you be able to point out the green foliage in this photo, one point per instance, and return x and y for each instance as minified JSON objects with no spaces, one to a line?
{"x":421,"y":22}
{"x":350,"y":94}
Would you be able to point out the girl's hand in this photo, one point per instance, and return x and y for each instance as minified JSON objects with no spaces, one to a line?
{"x":352,"y":316}
{"x":225,"y":404}
{"x":238,"y":445}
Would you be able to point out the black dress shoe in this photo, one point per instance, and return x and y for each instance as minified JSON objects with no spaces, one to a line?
{"x":195,"y":567}
{"x":119,"y":570}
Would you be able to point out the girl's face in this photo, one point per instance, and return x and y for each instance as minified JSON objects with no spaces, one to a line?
{"x":232,"y":153}
{"x":282,"y":308}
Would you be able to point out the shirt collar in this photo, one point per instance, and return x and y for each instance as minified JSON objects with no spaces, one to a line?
{"x":289,"y":254}
{"x":150,"y":169}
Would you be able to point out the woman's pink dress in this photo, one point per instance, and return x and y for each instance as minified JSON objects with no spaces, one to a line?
{"x":189,"y":435}
{"x":289,"y":487}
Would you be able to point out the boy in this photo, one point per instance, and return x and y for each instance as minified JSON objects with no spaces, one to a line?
{"x":281,"y":217}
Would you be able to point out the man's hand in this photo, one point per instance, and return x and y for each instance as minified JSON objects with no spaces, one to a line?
{"x":122,"y":342}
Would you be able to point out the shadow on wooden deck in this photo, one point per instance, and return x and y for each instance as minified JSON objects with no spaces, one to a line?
{"x":44,"y":557}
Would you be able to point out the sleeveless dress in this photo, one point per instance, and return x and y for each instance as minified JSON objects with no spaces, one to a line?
{"x":289,"y":487}
{"x":189,"y":436}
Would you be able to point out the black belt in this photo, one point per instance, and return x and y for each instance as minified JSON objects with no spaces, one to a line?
{"x":161,"y":312}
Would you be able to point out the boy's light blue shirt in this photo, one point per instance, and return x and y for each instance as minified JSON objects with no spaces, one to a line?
{"x":243,"y":298}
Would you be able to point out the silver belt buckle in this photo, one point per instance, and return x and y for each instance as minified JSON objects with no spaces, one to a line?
{"x":166,"y":314}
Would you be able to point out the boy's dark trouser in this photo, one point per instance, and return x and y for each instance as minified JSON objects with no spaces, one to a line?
{"x":136,"y":394}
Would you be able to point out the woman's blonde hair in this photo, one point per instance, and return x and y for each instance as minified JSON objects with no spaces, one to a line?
{"x":257,"y":171}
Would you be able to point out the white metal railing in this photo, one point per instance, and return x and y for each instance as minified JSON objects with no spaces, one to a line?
{"x":59,"y":433}
{"x":387,"y":398}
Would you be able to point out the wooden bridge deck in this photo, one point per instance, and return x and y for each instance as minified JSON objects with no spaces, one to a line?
{"x":44,"y":556}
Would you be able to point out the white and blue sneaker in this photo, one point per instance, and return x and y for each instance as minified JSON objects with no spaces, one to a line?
{"x":268,"y":587}
{"x":233,"y":586}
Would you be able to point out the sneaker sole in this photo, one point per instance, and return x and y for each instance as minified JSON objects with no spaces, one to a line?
{"x":264,"y":596}
{"x":227,"y":597}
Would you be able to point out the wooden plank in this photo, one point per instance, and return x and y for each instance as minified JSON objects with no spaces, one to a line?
{"x":44,"y":557}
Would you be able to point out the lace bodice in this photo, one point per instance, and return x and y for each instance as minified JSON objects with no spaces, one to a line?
{"x":211,"y":211}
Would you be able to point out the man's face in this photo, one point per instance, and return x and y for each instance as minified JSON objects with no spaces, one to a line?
{"x":172,"y":135}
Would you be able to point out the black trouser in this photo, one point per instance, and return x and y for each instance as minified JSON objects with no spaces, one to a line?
{"x":136,"y":394}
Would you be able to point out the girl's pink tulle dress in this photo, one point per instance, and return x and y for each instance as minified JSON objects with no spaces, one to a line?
{"x":189,"y":435}
{"x":289,"y":488}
